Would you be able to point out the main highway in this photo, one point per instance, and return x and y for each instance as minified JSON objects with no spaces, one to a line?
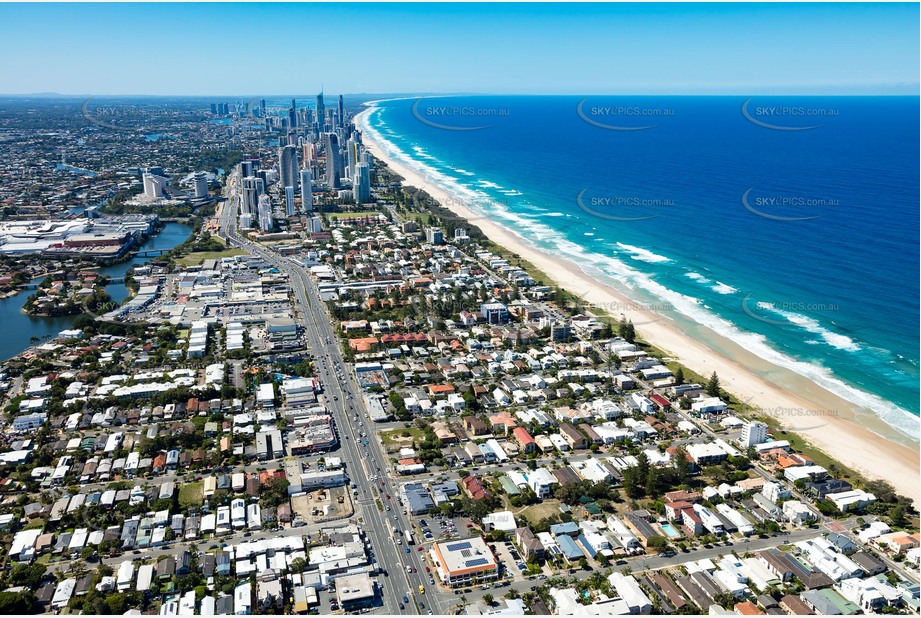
{"x":367,"y":465}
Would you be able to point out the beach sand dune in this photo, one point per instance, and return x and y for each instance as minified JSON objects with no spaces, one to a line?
{"x":853,"y":435}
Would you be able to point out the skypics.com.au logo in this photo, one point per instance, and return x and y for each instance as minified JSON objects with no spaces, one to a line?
{"x":615,"y":117}
{"x":786,"y":117}
{"x":784,"y":206}
{"x":622,"y":207}
{"x":456,"y":117}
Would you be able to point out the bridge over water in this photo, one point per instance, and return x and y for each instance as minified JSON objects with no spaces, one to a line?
{"x":151,"y":252}
{"x":34,"y":286}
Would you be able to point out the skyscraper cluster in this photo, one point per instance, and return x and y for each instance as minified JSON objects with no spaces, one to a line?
{"x":315,"y":146}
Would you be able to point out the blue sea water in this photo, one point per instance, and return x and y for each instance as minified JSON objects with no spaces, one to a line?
{"x":787,"y":224}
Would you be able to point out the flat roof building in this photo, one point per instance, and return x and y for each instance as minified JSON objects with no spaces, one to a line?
{"x":459,"y":563}
{"x":355,"y":591}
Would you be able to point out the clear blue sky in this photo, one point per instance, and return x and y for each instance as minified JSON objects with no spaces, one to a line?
{"x":226,"y":49}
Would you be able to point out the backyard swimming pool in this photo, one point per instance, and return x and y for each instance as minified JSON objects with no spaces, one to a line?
{"x":669,"y":530}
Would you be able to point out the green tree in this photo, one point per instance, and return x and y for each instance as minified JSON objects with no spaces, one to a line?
{"x":273,"y":492}
{"x":653,"y":486}
{"x":643,"y":465}
{"x":27,"y":575}
{"x":12,"y":603}
{"x":682,"y":465}
{"x":713,"y":385}
{"x":632,"y":483}
{"x":626,"y":330}
{"x":117,"y":603}
{"x":679,"y":376}
{"x":658,"y":543}
{"x":298,"y":565}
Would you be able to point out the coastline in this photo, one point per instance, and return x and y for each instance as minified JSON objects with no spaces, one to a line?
{"x":855,"y":437}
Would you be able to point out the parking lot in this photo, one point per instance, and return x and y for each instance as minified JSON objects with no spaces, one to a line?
{"x":512,"y":563}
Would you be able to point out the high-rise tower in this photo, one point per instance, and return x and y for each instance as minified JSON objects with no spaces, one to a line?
{"x":287,"y":166}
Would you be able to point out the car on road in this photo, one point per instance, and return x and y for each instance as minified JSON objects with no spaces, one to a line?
{"x":405,"y":599}
{"x":407,"y":550}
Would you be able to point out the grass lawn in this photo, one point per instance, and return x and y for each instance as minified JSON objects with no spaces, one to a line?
{"x":193,"y":259}
{"x":347,"y":215}
{"x":422,"y":218}
{"x":394,"y":437}
{"x":536,"y":512}
{"x":190,"y":494}
{"x":44,"y":559}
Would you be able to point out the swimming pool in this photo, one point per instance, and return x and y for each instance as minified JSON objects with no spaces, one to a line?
{"x":669,"y":530}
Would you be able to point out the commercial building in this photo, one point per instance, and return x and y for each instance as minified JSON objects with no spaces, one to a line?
{"x":312,"y":434}
{"x":355,"y":591}
{"x":461,"y":563}
{"x":416,"y":498}
{"x":269,"y":444}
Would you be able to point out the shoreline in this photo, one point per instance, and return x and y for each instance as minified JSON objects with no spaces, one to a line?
{"x":844,"y":431}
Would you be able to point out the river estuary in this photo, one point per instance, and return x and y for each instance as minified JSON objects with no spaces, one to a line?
{"x":18,"y":329}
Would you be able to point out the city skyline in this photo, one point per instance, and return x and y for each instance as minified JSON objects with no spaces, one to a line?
{"x":532,"y":49}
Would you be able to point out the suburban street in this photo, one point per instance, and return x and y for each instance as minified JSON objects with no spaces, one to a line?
{"x":343,"y":397}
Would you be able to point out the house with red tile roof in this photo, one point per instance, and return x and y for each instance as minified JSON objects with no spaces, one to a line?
{"x":474,"y":488}
{"x":524,"y":439}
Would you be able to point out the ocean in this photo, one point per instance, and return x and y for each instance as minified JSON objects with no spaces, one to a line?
{"x":786,"y":224}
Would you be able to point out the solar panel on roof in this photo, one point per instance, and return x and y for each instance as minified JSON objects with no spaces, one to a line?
{"x":459,"y":546}
{"x":477,"y":562}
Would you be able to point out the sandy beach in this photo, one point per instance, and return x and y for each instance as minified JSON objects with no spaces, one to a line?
{"x":853,"y":435}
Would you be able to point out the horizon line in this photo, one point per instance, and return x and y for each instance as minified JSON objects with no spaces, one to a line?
{"x":915,"y":93}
